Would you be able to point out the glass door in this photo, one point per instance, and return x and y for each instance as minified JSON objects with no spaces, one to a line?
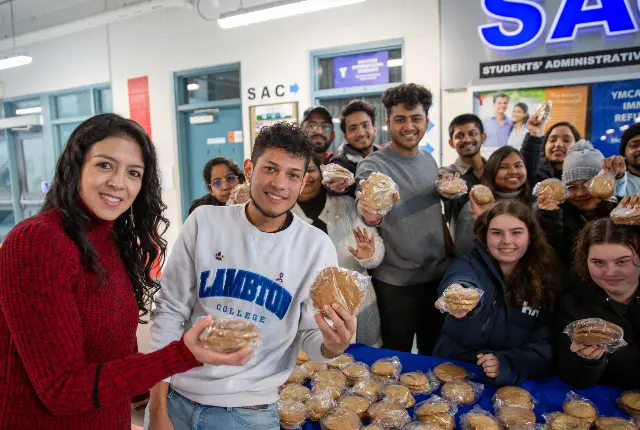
{"x":6,"y":204}
{"x":35,"y":167}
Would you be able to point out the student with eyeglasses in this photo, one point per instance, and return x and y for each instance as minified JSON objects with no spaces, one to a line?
{"x":220,"y":176}
{"x":317,"y":122}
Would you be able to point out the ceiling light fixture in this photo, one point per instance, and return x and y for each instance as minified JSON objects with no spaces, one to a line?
{"x":14,"y":60}
{"x":276,"y":10}
{"x":193,"y":86}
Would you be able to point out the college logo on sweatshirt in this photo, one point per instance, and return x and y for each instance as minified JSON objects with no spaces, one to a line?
{"x":248,"y":286}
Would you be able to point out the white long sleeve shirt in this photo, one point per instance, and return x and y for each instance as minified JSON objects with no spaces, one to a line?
{"x":224,"y":266}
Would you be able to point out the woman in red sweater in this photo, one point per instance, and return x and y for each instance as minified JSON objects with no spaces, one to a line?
{"x":74,"y":280}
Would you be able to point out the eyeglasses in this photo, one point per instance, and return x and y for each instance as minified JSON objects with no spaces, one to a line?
{"x":230,"y":179}
{"x":314,"y":126}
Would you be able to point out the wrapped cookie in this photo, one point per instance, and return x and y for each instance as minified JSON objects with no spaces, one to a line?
{"x":543,"y":111}
{"x":552,"y":188}
{"x":447,"y":372}
{"x":437,"y":410}
{"x":478,"y":419}
{"x":513,"y":396}
{"x":330,"y":377}
{"x":319,"y":405}
{"x":562,"y":421}
{"x":335,"y":172}
{"x":333,"y":389}
{"x":603,"y":185}
{"x":337,"y":285}
{"x":388,"y":415}
{"x":420,"y":425}
{"x":387,"y":368}
{"x":452,"y":188}
{"x":398,"y":393}
{"x":293,"y":414}
{"x":420,"y":383}
{"x":462,"y":392}
{"x":482,"y":194}
{"x":629,"y":401}
{"x":457,"y":298}
{"x":302,"y":357}
{"x":611,"y":423}
{"x":625,"y":216}
{"x":596,"y":331}
{"x":341,"y":419}
{"x":580,"y":407}
{"x":368,"y":387}
{"x":312,"y":367}
{"x":381,"y":192}
{"x":229,"y":335}
{"x":355,"y":371}
{"x":341,"y":361}
{"x":298,"y":376}
{"x":359,"y":405}
{"x":295,"y":392}
{"x":509,"y":416}
{"x":240,"y":194}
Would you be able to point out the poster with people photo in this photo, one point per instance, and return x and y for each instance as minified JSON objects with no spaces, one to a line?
{"x":505,"y":113}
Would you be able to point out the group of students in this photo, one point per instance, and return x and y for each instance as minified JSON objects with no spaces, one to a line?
{"x":75,"y":278}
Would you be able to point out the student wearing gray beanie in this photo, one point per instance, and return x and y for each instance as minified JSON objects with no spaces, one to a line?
{"x":630,"y":150}
{"x":562,"y":222}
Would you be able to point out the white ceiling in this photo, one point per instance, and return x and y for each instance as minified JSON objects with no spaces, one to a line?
{"x":31,"y":15}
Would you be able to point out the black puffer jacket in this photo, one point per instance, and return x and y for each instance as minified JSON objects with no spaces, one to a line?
{"x":538,"y":167}
{"x":621,"y":368}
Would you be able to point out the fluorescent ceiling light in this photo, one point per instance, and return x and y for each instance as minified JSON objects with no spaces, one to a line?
{"x":193,"y":87}
{"x":395,"y":63}
{"x":14,"y":61}
{"x":29,"y":111}
{"x":278,"y":9}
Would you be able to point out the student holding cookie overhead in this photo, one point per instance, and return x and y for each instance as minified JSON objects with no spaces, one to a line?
{"x":605,"y":286}
{"x":512,"y":277}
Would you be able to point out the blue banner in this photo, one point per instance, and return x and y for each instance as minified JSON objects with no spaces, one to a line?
{"x":362,"y":69}
{"x":615,"y":106}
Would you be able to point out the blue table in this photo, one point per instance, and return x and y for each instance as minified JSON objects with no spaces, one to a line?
{"x":550,"y":393}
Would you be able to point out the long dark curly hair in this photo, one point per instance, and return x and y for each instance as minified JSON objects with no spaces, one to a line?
{"x":492,"y":166}
{"x":137,"y":233}
{"x":536,"y":277}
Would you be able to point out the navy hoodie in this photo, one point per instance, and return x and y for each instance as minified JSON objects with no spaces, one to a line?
{"x":521,"y":337}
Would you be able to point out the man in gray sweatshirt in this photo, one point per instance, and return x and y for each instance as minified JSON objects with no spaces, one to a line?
{"x":416,"y":254}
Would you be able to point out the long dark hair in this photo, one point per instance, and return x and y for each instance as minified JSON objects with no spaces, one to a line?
{"x":138,"y":232}
{"x":536,"y":277}
{"x":598,"y":232}
{"x":491,"y":170}
{"x":525,"y":109}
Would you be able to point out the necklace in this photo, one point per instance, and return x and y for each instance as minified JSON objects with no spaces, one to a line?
{"x":277,"y":230}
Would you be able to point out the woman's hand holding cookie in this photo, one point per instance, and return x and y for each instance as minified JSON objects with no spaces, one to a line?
{"x":614,"y":165}
{"x":478,"y":209}
{"x":336,"y":339}
{"x":588,"y":352}
{"x":547,"y":203}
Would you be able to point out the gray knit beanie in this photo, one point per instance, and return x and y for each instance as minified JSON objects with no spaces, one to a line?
{"x":582,"y":163}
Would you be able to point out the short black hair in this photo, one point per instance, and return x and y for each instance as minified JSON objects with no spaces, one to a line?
{"x":628,"y":134}
{"x":464,"y":119}
{"x":408,"y":95}
{"x":356,"y":106}
{"x":500,"y":96}
{"x":283,"y":135}
{"x":206,"y":172}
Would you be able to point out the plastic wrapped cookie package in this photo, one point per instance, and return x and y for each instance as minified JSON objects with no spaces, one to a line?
{"x":513,"y":396}
{"x":392,"y":391}
{"x":341,"y":419}
{"x":452,"y":188}
{"x":543,"y":111}
{"x":419,"y":382}
{"x":332,"y":388}
{"x":482,"y":194}
{"x":629,"y":401}
{"x":614,"y":423}
{"x":603,"y":185}
{"x":458,"y":298}
{"x":462,"y":392}
{"x":335,"y":172}
{"x":356,"y":371}
{"x":625,"y":216}
{"x":295,"y":392}
{"x":230,"y":335}
{"x":509,"y":416}
{"x":355,"y":403}
{"x":596,"y":331}
{"x":580,"y":407}
{"x":240,"y":194}
{"x":446,"y":372}
{"x":293,"y":414}
{"x":478,"y":419}
{"x":380,"y":191}
{"x":297,"y":376}
{"x":337,"y":285}
{"x":562,"y":421}
{"x":552,"y":188}
{"x":330,"y":377}
{"x":436,"y":410}
{"x":387,"y":368}
{"x":311,"y":367}
{"x":368,"y":387}
{"x":421,"y":425}
{"x":389,"y":415}
{"x":319,"y":405}
{"x":342,"y":361}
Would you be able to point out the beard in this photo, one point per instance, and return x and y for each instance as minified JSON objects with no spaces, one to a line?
{"x":264,"y":212}
{"x":320,"y":147}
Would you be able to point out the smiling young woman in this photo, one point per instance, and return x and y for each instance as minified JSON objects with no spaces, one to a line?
{"x":74,"y":280}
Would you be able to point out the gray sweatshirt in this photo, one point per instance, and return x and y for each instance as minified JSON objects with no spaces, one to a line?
{"x":412,"y":232}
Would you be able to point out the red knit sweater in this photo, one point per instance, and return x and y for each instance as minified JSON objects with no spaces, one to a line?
{"x":67,"y":345}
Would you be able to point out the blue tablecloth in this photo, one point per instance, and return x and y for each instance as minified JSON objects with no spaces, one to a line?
{"x":550,"y":393}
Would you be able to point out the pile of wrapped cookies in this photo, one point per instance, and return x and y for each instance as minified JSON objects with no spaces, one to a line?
{"x":349,"y":395}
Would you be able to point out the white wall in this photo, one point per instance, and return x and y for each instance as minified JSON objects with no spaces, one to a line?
{"x":71,"y":61}
{"x":270,"y":53}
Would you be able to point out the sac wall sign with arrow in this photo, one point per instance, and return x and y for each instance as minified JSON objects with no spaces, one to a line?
{"x":267,"y":92}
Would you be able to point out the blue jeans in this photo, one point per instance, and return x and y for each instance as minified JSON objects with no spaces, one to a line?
{"x":188,"y":415}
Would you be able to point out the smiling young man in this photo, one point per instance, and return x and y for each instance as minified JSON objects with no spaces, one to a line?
{"x":317,"y":122}
{"x":251,"y":262}
{"x":415,"y":254}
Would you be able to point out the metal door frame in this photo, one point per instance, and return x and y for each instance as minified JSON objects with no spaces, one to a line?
{"x":182,"y":113}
